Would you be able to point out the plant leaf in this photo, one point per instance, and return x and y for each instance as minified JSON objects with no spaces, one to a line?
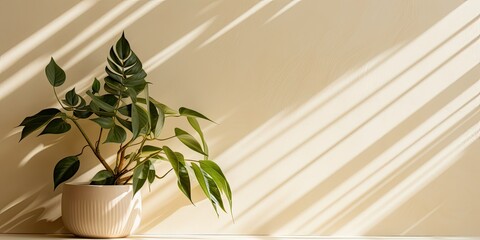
{"x":55,"y":75}
{"x":194,"y":123}
{"x":136,"y":68}
{"x":104,"y":122}
{"x":123,"y":47}
{"x":151,"y":173}
{"x":166,"y":109}
{"x":114,"y":66}
{"x":34,"y":122}
{"x":149,"y":149}
{"x":139,"y":120}
{"x":103,"y":177}
{"x":101,"y":104}
{"x":83,"y":112}
{"x":127,"y":124}
{"x":48,"y":113}
{"x":217,"y":175}
{"x":56,"y":126}
{"x":203,"y":182}
{"x":140,"y":175}
{"x":114,"y":57}
{"x":95,"y":86}
{"x":178,"y":165}
{"x":65,"y":169}
{"x":188,"y":140}
{"x":133,"y":94}
{"x":192,"y":113}
{"x":126,"y":110}
{"x":72,"y":98}
{"x":136,"y":78}
{"x":116,"y":135}
{"x":132,"y":59}
{"x":113,"y":75}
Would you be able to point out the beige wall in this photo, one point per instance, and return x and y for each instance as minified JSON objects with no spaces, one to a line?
{"x":336,"y":117}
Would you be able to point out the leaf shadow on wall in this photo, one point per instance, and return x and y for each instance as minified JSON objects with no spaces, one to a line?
{"x":276,"y":99}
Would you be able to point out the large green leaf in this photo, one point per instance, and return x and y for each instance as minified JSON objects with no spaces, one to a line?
{"x":133,"y":94}
{"x":123,"y":47}
{"x":192,"y":113}
{"x":116,"y":135}
{"x":204,"y":184}
{"x":71,"y":98}
{"x":83,"y":112}
{"x":178,"y":165}
{"x":104,"y":122}
{"x":127,"y":124}
{"x":56,"y":126}
{"x":139,"y":120}
{"x":166,"y":109}
{"x":103,"y":177}
{"x":194,"y":123}
{"x":157,"y":118}
{"x":32,"y":123}
{"x":149,"y":149}
{"x":55,"y":75}
{"x":100,"y":103}
{"x":188,"y":140}
{"x":45,"y":114}
{"x":65,"y":169}
{"x":215,"y":192}
{"x":219,"y":178}
{"x":140,"y":175}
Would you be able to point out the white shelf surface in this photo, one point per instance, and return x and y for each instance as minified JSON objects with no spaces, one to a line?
{"x":229,"y":237}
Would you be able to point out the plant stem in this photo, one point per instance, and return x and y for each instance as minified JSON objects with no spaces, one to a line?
{"x":128,"y":179}
{"x":97,"y":144}
{"x":164,"y":139}
{"x":97,"y":154}
{"x":191,"y":160}
{"x":56,"y":96}
{"x":164,"y":175}
{"x":83,"y":148}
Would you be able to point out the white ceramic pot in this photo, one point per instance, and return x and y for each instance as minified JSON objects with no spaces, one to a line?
{"x":100,"y":211}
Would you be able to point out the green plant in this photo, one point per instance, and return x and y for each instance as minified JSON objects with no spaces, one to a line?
{"x":126,"y":106}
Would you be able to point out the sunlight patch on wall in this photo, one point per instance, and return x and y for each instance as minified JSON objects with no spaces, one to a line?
{"x":237,"y":21}
{"x":14,"y":54}
{"x":283,"y":10}
{"x":112,"y":31}
{"x":175,"y":47}
{"x":465,"y":61}
{"x":281,"y":123}
{"x":93,"y":28}
{"x":36,"y":150}
{"x":36,"y":66}
{"x":330,"y":136}
{"x":421,"y":220}
{"x":348,"y":194}
{"x":407,"y":188}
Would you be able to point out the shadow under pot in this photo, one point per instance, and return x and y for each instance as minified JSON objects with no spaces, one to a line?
{"x":100,"y":211}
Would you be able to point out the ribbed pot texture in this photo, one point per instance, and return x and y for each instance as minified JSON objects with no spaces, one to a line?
{"x":100,"y":211}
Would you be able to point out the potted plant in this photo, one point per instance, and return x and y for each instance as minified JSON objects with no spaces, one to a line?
{"x":110,"y":205}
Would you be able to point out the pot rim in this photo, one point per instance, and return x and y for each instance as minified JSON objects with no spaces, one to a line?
{"x":87,"y":184}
